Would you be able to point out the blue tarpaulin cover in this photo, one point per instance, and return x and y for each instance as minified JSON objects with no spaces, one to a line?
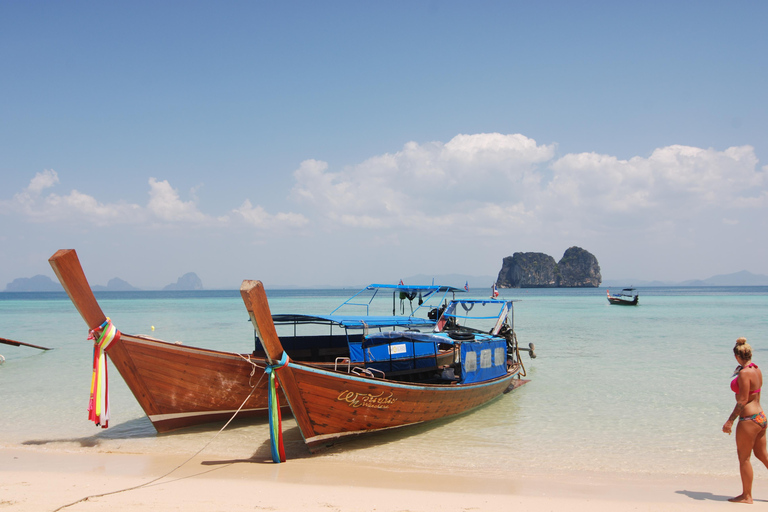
{"x":483,"y":360}
{"x":397,"y":350}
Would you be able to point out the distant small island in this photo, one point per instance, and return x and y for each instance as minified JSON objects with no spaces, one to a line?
{"x":42,"y":283}
{"x":115,"y":285}
{"x":188,"y":281}
{"x":38,"y":283}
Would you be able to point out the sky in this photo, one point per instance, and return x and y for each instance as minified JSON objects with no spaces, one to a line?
{"x":337,"y":143}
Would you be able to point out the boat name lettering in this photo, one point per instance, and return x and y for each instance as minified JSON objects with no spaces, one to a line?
{"x":366,"y":399}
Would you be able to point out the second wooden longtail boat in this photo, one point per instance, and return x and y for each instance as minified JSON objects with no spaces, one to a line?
{"x":366,"y":395}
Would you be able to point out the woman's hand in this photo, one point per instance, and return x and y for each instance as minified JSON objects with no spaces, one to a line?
{"x":728,"y":426}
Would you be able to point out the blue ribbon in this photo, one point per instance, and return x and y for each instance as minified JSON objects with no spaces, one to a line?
{"x":275,"y":419}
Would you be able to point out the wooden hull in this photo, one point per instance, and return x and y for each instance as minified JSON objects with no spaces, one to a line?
{"x":180,"y":386}
{"x":338,"y":405}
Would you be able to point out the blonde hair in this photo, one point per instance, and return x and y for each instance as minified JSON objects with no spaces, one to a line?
{"x":742,"y":349}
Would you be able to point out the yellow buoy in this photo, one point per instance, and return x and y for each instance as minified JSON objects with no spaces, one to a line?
{"x":153,"y":327}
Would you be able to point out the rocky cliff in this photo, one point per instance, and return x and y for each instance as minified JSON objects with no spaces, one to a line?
{"x":577,"y":268}
{"x":528,"y":270}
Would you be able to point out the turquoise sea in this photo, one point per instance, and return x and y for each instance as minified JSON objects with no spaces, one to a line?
{"x":614,"y":389}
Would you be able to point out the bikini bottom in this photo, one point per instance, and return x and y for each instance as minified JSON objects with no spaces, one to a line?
{"x":758,"y":418}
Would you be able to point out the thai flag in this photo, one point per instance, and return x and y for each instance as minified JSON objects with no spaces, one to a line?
{"x":466,"y":286}
{"x":494,"y":291}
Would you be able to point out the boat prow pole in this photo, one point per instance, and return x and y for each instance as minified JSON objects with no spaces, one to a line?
{"x":255,"y":299}
{"x":66,"y":265}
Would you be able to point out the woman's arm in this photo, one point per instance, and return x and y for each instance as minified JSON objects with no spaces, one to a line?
{"x":741,"y":401}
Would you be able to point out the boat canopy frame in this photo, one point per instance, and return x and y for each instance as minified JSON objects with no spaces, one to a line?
{"x":452,"y":315}
{"x":424,"y":292}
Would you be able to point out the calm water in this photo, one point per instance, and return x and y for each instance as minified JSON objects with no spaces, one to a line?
{"x":619,"y":389}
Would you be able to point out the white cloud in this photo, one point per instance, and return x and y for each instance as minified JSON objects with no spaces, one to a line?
{"x":478,"y":186}
{"x":495,"y":185}
{"x":82,"y":206}
{"x":73,"y":206}
{"x":674,"y":182}
{"x":258,"y":217}
{"x":423,"y":185}
{"x":43,"y":180}
{"x":165,"y":205}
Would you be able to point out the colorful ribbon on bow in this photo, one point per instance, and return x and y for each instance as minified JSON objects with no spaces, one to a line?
{"x":275,"y":418}
{"x":98,"y":405}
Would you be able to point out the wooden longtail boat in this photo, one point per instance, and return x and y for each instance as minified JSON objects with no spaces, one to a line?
{"x":329,"y":405}
{"x":179,"y":386}
{"x":176,"y":385}
{"x":627,"y":297}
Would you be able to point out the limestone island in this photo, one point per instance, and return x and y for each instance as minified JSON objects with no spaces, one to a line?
{"x":577,"y":268}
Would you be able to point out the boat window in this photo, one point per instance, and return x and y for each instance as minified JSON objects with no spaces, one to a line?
{"x":485,"y":358}
{"x":470,"y":362}
{"x":499,"y":356}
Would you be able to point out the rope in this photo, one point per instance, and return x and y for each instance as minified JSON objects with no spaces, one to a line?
{"x":517,"y":349}
{"x":198,"y":452}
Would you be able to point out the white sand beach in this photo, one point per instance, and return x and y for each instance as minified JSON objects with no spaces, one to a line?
{"x":36,"y":480}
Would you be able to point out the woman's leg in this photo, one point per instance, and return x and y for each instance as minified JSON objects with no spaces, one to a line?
{"x":760,"y":449}
{"x":746,"y":436}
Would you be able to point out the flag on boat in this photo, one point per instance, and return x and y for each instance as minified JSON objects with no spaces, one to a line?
{"x":466,"y":286}
{"x":401,"y":282}
{"x":494,"y":291}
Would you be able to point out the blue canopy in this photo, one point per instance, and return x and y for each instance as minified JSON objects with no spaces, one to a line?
{"x":414,"y":288}
{"x":355,"y":321}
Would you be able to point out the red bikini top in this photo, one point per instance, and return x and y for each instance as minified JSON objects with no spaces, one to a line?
{"x":735,"y":381}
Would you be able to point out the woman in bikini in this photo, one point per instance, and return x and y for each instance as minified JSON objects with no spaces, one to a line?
{"x":751,"y":429}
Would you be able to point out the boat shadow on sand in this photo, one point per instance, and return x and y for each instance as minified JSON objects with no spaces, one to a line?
{"x":141,"y":428}
{"x":295,"y":448}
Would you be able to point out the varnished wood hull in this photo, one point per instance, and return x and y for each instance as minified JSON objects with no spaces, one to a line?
{"x":331,"y":405}
{"x":180,"y":386}
{"x":338,"y":405}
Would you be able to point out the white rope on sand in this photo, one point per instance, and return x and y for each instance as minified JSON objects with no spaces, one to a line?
{"x":253,"y":370}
